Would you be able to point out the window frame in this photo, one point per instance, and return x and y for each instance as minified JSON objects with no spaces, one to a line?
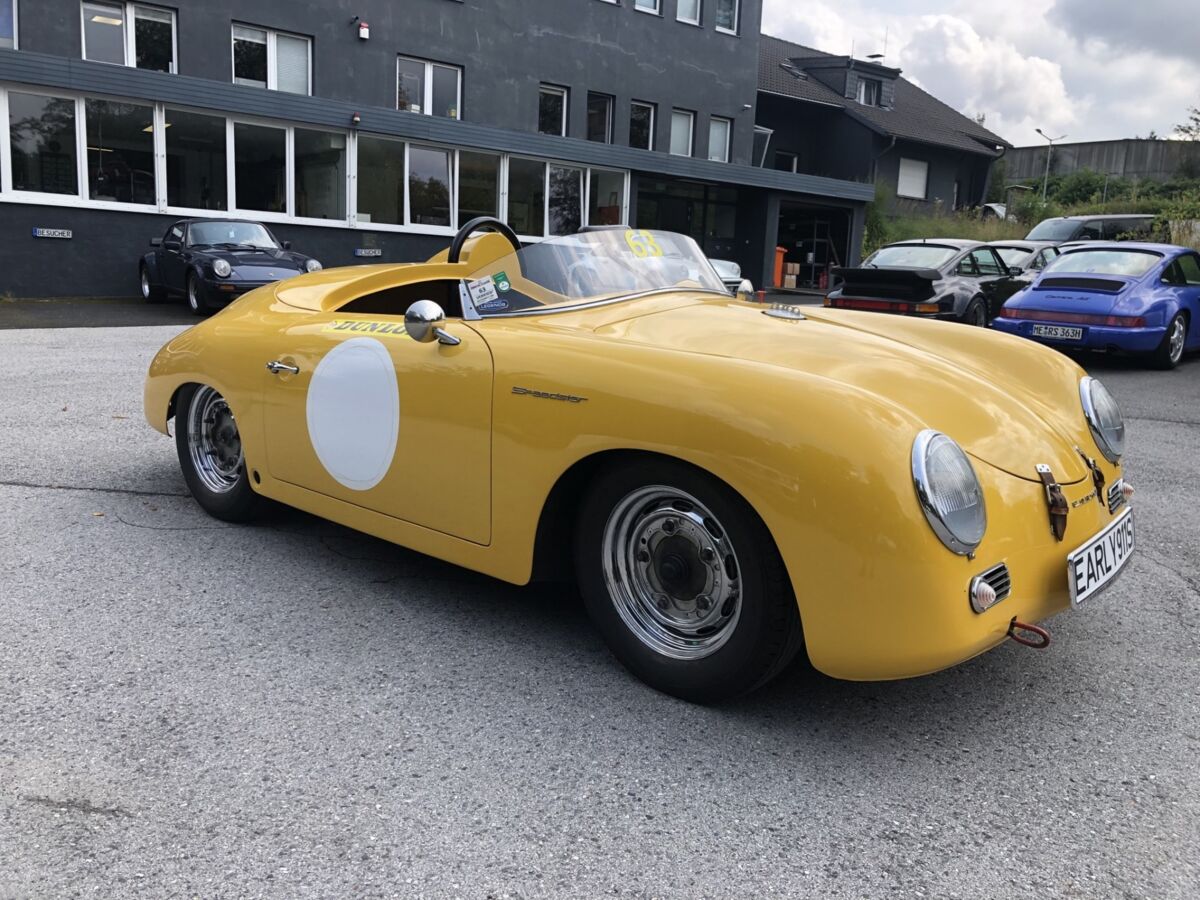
{"x":610,"y":108}
{"x":698,"y":21}
{"x":16,"y":14}
{"x":657,"y":11}
{"x":427,"y":92}
{"x":860,"y":91}
{"x":795,"y":157}
{"x":737,"y":20}
{"x":900,"y":175}
{"x":272,"y":60}
{"x":546,"y":87}
{"x":728,"y":122}
{"x":691,"y":133}
{"x":653,"y":107}
{"x":129,"y":10}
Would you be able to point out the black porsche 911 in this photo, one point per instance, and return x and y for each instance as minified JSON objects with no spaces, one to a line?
{"x":966,"y":281}
{"x":214,"y":261}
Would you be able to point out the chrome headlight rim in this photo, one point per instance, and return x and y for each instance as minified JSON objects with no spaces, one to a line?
{"x":222,"y":268}
{"x":313,"y":265}
{"x":1099,"y":438}
{"x":921,"y":476}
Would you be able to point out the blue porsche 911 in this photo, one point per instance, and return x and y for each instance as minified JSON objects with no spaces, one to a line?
{"x":1133,"y":298}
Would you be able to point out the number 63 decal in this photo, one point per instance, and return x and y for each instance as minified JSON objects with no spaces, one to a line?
{"x":642,"y":244}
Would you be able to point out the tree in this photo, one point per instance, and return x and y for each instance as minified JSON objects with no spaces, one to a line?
{"x":1190,"y":130}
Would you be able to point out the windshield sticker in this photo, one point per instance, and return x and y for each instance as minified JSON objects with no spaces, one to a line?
{"x":503,"y":285}
{"x":496,"y":305}
{"x":642,"y":244}
{"x":359,"y":326}
{"x":482,"y":290}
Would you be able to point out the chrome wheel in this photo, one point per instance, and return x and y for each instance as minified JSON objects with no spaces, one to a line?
{"x":145,"y":284}
{"x":671,"y":572}
{"x":1176,"y":338}
{"x":193,"y":297}
{"x":214,"y":445}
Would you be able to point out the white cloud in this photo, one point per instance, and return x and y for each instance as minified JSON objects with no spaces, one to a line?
{"x":1025,"y":64}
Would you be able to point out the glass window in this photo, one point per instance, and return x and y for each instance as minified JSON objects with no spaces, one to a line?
{"x":1134,"y":263}
{"x":641,"y":125}
{"x":526,"y":196}
{"x":1189,"y":268}
{"x":718,"y":139}
{"x":410,"y":85}
{"x":646,"y":5}
{"x":291,"y":64}
{"x":606,"y":197}
{"x":727,"y":16}
{"x":478,"y":185}
{"x":380,"y":181}
{"x":120,"y":151}
{"x":681,"y":132}
{"x":552,"y":110}
{"x":42,"y":134}
{"x":566,"y":200}
{"x":104,"y":32}
{"x":8,"y":24}
{"x":428,"y":186}
{"x":319,"y":174}
{"x":870,"y":91}
{"x":196,"y":163}
{"x":153,"y":39}
{"x":445,"y":92}
{"x":911,"y":256}
{"x":785,"y":161}
{"x":688,"y":11}
{"x":259,"y":167}
{"x":249,"y":56}
{"x":599,"y":113}
{"x":249,"y":234}
{"x":913,"y":179}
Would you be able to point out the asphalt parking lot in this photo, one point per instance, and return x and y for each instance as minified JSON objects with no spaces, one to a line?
{"x":193,"y":709}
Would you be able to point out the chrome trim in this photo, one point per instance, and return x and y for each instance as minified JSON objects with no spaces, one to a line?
{"x":999,"y":579}
{"x":671,"y":572}
{"x":1089,"y":413}
{"x":783,"y":311}
{"x":275,"y":367}
{"x":1116,"y":495}
{"x":920,"y":482}
{"x":214,"y":445}
{"x":549,"y":310}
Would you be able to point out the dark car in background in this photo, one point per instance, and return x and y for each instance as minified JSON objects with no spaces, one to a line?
{"x":211,"y":262}
{"x":966,"y":281}
{"x":1062,"y":229}
{"x":1025,"y":259}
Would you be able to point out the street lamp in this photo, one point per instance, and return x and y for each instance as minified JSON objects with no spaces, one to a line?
{"x":1049,"y":149}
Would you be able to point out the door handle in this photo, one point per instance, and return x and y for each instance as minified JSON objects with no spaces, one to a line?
{"x":275,"y":367}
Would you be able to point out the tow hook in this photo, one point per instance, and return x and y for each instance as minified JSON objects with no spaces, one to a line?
{"x":1029,"y":635}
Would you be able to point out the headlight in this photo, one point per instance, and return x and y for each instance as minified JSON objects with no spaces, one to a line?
{"x":949,"y":492}
{"x":313,"y":265}
{"x":1103,"y":418}
{"x":222,"y":268}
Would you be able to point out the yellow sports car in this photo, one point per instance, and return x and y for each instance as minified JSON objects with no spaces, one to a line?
{"x":728,"y":482}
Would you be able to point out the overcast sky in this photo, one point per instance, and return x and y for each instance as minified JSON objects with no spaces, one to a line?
{"x":1090,"y":69}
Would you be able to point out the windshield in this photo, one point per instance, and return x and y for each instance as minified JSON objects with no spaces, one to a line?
{"x":910,"y":256}
{"x":590,"y":267}
{"x":242,"y":234}
{"x":1053,"y":230}
{"x":1105,"y":262}
{"x":1013,"y":256}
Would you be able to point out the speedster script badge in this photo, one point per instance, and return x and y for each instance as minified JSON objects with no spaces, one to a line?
{"x":543,"y":395}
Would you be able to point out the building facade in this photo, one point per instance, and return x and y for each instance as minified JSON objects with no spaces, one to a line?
{"x":375,"y":129}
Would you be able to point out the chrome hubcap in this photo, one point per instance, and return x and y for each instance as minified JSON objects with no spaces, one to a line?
{"x":214,"y":445}
{"x":193,"y":300}
{"x":145,"y":284}
{"x":672,"y":572}
{"x":1178,"y":334}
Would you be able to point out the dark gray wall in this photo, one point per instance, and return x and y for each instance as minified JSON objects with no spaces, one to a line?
{"x":505,"y":47}
{"x":827,"y":141}
{"x":945,"y":167}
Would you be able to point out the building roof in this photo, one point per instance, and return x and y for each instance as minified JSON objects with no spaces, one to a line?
{"x":917,"y":116}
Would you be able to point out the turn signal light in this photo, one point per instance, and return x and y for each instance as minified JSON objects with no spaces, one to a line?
{"x":983,"y":595}
{"x":1127,"y":491}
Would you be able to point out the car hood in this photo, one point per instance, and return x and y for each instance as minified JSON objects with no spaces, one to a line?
{"x":253,"y":260}
{"x":1008,"y":404}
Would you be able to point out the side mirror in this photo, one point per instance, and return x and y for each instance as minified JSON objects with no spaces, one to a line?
{"x":425,"y":322}
{"x":172,"y":245}
{"x":1014,"y":271}
{"x":745,"y":291}
{"x":155,"y":242}
{"x":287,"y":245}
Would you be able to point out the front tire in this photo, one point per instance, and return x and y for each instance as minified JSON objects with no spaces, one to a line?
{"x":151,"y":293}
{"x":195,"y":295}
{"x":210,"y":454}
{"x":1170,"y":351}
{"x":684,"y":582}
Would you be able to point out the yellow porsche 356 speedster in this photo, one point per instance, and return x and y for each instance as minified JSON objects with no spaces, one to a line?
{"x":727,"y":481}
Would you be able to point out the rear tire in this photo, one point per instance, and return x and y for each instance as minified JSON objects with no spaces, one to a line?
{"x":210,"y":454}
{"x":194,"y":292}
{"x":151,"y":293}
{"x":684,"y":582}
{"x":1170,"y":351}
{"x":976,"y":313}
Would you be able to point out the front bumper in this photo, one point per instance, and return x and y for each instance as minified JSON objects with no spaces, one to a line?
{"x":1095,"y":337}
{"x":223,"y":291}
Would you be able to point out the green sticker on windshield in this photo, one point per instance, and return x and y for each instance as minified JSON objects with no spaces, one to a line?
{"x":500,"y":279}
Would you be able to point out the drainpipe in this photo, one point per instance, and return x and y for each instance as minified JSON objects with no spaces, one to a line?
{"x":878,"y":156}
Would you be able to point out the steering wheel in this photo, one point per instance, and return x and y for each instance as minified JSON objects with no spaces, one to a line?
{"x":483,"y":223}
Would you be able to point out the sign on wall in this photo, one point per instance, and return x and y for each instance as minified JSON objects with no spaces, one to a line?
{"x":368,"y":251}
{"x":64,"y":233}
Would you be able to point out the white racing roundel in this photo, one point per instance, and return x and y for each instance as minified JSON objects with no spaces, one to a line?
{"x":353,"y":412}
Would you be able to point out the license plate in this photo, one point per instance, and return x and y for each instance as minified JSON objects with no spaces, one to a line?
{"x":1058,"y":332}
{"x":1091,"y":567}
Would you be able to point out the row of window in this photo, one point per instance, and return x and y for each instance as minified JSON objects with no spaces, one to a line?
{"x":554,"y":101}
{"x":165,"y":159}
{"x":725,"y":13}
